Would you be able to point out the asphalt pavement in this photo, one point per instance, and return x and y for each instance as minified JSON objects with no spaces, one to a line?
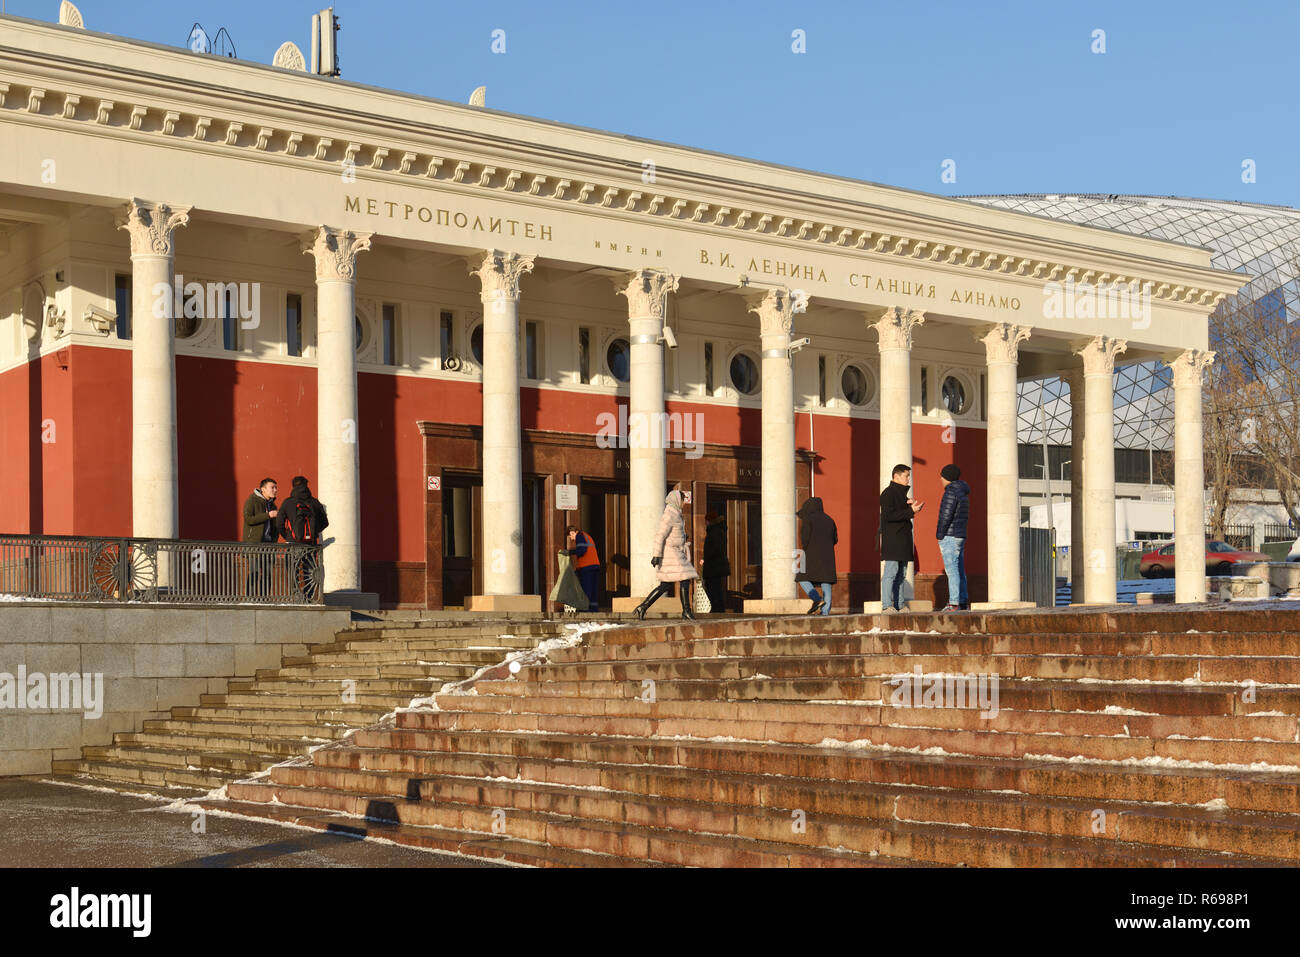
{"x":43,"y":824}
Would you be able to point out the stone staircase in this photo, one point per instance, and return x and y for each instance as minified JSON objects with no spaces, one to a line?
{"x":1121,"y":738}
{"x":311,"y":700}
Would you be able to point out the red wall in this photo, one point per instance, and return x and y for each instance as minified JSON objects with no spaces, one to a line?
{"x":241,"y":421}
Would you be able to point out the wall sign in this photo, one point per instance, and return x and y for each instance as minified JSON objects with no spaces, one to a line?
{"x":566,"y":497}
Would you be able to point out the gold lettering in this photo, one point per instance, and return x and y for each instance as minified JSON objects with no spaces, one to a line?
{"x":391,"y":206}
{"x":461,"y":220}
{"x":704,"y":257}
{"x":444,"y":218}
{"x":352,"y":204}
{"x":546,"y":232}
{"x":528,"y":231}
{"x":425,"y":214}
{"x":494,"y":225}
{"x":478,"y":223}
{"x":725,"y":261}
{"x":514,"y":223}
{"x":370,"y":207}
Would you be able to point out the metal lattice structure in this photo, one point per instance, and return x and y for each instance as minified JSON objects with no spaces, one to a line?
{"x":1262,"y":241}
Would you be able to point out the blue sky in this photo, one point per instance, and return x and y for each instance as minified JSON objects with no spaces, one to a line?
{"x":887,"y":91}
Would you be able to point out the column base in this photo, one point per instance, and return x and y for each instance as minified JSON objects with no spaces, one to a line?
{"x":916,"y":604}
{"x":667,"y":605}
{"x":353,"y":598}
{"x":1000,"y":605}
{"x":524,"y":603}
{"x":776,"y":606}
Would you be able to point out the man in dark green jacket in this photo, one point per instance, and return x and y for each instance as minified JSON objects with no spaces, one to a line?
{"x":260,"y":526}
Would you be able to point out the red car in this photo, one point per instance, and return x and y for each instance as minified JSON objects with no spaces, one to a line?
{"x":1219,"y":559}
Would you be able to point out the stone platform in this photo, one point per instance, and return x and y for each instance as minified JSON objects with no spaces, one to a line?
{"x":1156,"y":736}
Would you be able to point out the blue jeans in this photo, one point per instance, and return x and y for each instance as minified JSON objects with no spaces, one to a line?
{"x":891,"y":586}
{"x":953,"y":551}
{"x":824,"y":588}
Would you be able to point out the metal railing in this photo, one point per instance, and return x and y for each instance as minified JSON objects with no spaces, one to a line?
{"x":76,"y":568}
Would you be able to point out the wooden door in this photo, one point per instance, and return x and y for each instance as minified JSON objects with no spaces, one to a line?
{"x":462,"y":531}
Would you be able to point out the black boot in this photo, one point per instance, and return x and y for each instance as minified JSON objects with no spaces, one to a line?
{"x":688,"y":610}
{"x":649,"y":600}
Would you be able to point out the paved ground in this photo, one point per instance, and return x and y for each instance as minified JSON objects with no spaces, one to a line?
{"x":52,"y":825}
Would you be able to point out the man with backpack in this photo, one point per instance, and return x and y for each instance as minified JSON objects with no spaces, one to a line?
{"x":302,"y":518}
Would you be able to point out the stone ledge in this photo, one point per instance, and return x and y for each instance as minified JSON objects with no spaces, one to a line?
{"x":498,"y":603}
{"x":777,"y":606}
{"x":915,"y":605}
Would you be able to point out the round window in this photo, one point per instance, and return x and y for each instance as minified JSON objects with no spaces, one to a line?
{"x":744,"y":374}
{"x":955,"y":399}
{"x":618,"y":358}
{"x":476,"y":344}
{"x":187,"y":326}
{"x":856,"y":385}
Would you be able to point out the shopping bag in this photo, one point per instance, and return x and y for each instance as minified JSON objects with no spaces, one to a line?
{"x":702,"y":604}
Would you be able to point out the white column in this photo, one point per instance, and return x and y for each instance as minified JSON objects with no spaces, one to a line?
{"x":1078,"y":561}
{"x":1189,"y":475}
{"x":776,"y":310}
{"x":503,"y":478}
{"x":154,"y":492}
{"x":647,"y":302}
{"x":337,"y":482}
{"x":895,"y":331}
{"x":1099,"y":475}
{"x":1002,"y":346}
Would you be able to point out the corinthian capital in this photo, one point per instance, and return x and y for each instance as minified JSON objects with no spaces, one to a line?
{"x":500,"y":271}
{"x":1099,"y":354}
{"x":1189,"y":367}
{"x":776,"y":309}
{"x":1002,"y":341}
{"x":647,"y":292}
{"x":895,"y":327}
{"x":335,"y":251}
{"x":150,"y":225}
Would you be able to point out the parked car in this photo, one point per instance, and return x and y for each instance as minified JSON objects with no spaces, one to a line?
{"x":1219,"y":559}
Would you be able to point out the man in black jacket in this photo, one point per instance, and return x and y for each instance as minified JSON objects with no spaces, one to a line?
{"x":954,"y":512}
{"x":302,"y":518}
{"x":896,"y":547}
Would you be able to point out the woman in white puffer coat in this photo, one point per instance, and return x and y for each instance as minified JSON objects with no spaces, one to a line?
{"x":671,"y":559}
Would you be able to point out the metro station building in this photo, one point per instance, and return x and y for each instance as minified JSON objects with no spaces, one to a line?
{"x":441,"y":314}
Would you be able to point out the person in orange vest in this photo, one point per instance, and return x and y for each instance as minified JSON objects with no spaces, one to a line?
{"x":586,"y":564}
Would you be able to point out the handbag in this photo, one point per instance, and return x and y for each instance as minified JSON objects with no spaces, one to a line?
{"x":700,"y":603}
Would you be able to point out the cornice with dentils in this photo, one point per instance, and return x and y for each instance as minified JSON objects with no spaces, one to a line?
{"x":492,"y":152}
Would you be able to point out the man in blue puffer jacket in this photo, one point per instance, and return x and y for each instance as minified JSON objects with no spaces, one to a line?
{"x":954,"y":512}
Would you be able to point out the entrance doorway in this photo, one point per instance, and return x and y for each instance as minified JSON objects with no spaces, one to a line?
{"x":743,"y":512}
{"x":602,"y":514}
{"x":462,"y":530}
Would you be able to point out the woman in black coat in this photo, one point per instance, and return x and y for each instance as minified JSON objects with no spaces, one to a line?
{"x":717,"y":566}
{"x":818,"y":537}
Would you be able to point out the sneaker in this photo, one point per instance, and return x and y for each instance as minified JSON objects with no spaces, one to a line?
{"x":815,"y":608}
{"x":949,"y":609}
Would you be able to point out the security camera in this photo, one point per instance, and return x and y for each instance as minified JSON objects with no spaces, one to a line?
{"x":668,"y":338}
{"x":100,"y":318}
{"x":798,"y":344}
